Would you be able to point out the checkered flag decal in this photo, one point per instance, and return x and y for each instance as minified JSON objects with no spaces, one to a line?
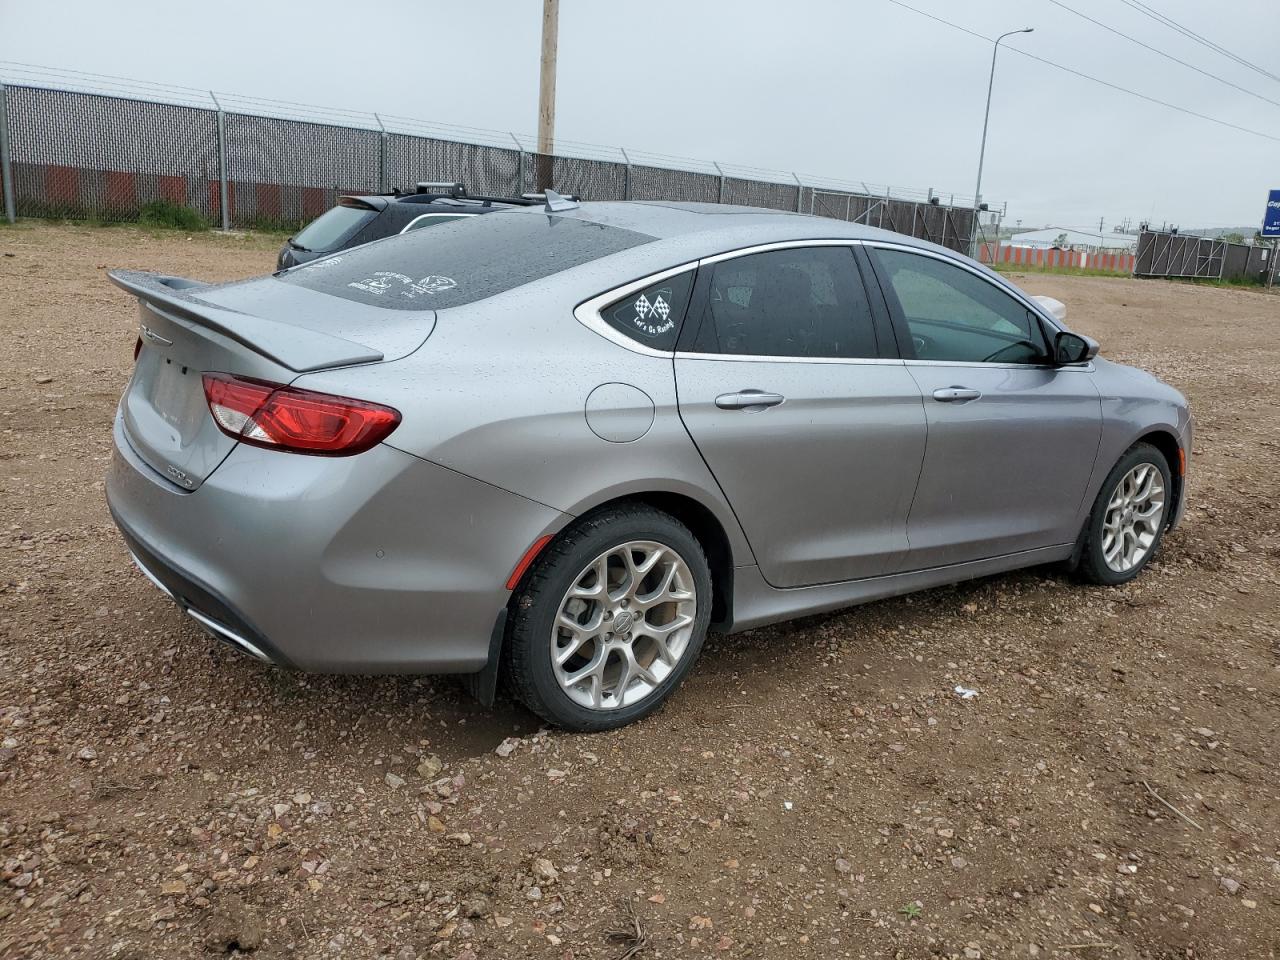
{"x":658,"y":307}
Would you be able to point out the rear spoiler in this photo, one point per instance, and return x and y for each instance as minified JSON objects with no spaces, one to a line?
{"x":291,"y":346}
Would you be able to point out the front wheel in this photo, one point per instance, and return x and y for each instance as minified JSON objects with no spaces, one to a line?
{"x":610,"y":619}
{"x":1128,"y":518}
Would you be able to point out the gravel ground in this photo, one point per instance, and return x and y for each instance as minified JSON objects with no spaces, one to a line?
{"x":815,"y":789}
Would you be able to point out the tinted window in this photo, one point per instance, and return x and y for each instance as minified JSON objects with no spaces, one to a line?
{"x":956,"y":315}
{"x":804,"y":302}
{"x":652,"y":316}
{"x":433,"y":220}
{"x":330,"y":229}
{"x":461,"y":261}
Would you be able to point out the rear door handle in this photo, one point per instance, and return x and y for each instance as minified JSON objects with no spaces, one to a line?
{"x":956,"y":394}
{"x":748,"y":400}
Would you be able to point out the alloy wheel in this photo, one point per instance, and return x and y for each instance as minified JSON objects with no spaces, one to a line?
{"x":624,"y":625}
{"x":1133,"y":518}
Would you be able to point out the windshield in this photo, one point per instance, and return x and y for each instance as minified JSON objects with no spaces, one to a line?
{"x":329,"y":230}
{"x":461,"y":261}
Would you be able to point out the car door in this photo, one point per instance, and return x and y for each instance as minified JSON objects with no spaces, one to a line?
{"x":813,"y":428}
{"x":1012,"y":438}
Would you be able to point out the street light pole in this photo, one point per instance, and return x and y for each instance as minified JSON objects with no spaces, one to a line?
{"x":982,"y":153}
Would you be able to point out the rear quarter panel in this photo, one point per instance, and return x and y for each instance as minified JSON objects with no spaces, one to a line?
{"x":499,"y":393}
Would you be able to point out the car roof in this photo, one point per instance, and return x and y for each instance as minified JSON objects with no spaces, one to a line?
{"x":681,"y":233}
{"x":703,"y":229}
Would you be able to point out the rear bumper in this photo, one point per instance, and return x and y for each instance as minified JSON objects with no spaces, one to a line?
{"x":378,"y":563}
{"x":199,"y":602}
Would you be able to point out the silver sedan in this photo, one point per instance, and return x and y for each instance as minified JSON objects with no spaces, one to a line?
{"x":557,"y":445}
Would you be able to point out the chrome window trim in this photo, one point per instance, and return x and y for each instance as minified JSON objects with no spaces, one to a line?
{"x":777,"y":245}
{"x":764,"y":358}
{"x":588,"y":312}
{"x":979,"y":365}
{"x":432,"y":216}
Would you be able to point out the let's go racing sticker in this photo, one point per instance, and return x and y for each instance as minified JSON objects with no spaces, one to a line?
{"x":649,"y":312}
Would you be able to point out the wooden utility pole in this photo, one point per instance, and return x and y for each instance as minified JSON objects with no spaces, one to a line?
{"x":547,"y":94}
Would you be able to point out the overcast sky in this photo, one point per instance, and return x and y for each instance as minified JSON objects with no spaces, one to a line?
{"x":856,"y":90}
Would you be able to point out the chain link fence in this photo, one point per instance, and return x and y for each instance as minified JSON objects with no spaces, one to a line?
{"x":72,"y":154}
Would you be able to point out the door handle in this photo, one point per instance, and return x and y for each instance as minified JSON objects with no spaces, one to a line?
{"x":956,"y":394}
{"x":748,"y":400}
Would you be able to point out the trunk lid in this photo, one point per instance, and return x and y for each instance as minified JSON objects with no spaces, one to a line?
{"x":259,"y":328}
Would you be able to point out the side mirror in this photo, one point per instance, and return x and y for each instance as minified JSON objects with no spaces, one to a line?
{"x":1071,"y":348}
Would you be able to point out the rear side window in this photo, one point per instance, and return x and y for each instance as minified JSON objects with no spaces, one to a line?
{"x":803,"y":302}
{"x":652,"y":316}
{"x":330,"y":230}
{"x":461,"y":261}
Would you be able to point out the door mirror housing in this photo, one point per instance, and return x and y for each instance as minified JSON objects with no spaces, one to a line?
{"x":1069,"y":348}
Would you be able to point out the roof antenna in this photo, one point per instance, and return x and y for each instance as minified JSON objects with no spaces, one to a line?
{"x":557,"y":203}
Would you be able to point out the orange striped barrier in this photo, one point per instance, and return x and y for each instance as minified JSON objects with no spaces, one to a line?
{"x":1056,"y":259}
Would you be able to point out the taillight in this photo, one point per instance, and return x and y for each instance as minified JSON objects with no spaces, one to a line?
{"x":137,"y":349}
{"x":302,"y":421}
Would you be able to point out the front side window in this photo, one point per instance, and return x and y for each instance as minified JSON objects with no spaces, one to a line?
{"x":954,"y":315}
{"x":652,"y":316}
{"x":802,"y":302}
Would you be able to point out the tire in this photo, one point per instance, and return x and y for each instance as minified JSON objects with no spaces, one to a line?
{"x":643,"y":670}
{"x":1100,"y":561}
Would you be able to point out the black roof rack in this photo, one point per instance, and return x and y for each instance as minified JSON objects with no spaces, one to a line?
{"x":427,"y":191}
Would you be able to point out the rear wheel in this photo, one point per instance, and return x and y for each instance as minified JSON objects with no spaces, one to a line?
{"x":1128,"y":518}
{"x":610,"y":620}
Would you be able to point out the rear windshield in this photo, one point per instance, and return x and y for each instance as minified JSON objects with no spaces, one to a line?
{"x":461,"y":262}
{"x":330,"y":229}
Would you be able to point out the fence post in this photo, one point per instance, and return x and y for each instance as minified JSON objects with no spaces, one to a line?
{"x":626,"y":184}
{"x":382,"y":155}
{"x":799,"y":191}
{"x":6,"y":166}
{"x":720,"y":189}
{"x":520,"y":169}
{"x":222,"y":164}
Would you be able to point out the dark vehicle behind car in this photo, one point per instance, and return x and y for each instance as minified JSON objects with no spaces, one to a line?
{"x":361,"y":219}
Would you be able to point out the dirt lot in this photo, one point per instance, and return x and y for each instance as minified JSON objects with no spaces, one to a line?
{"x":815,"y":790}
